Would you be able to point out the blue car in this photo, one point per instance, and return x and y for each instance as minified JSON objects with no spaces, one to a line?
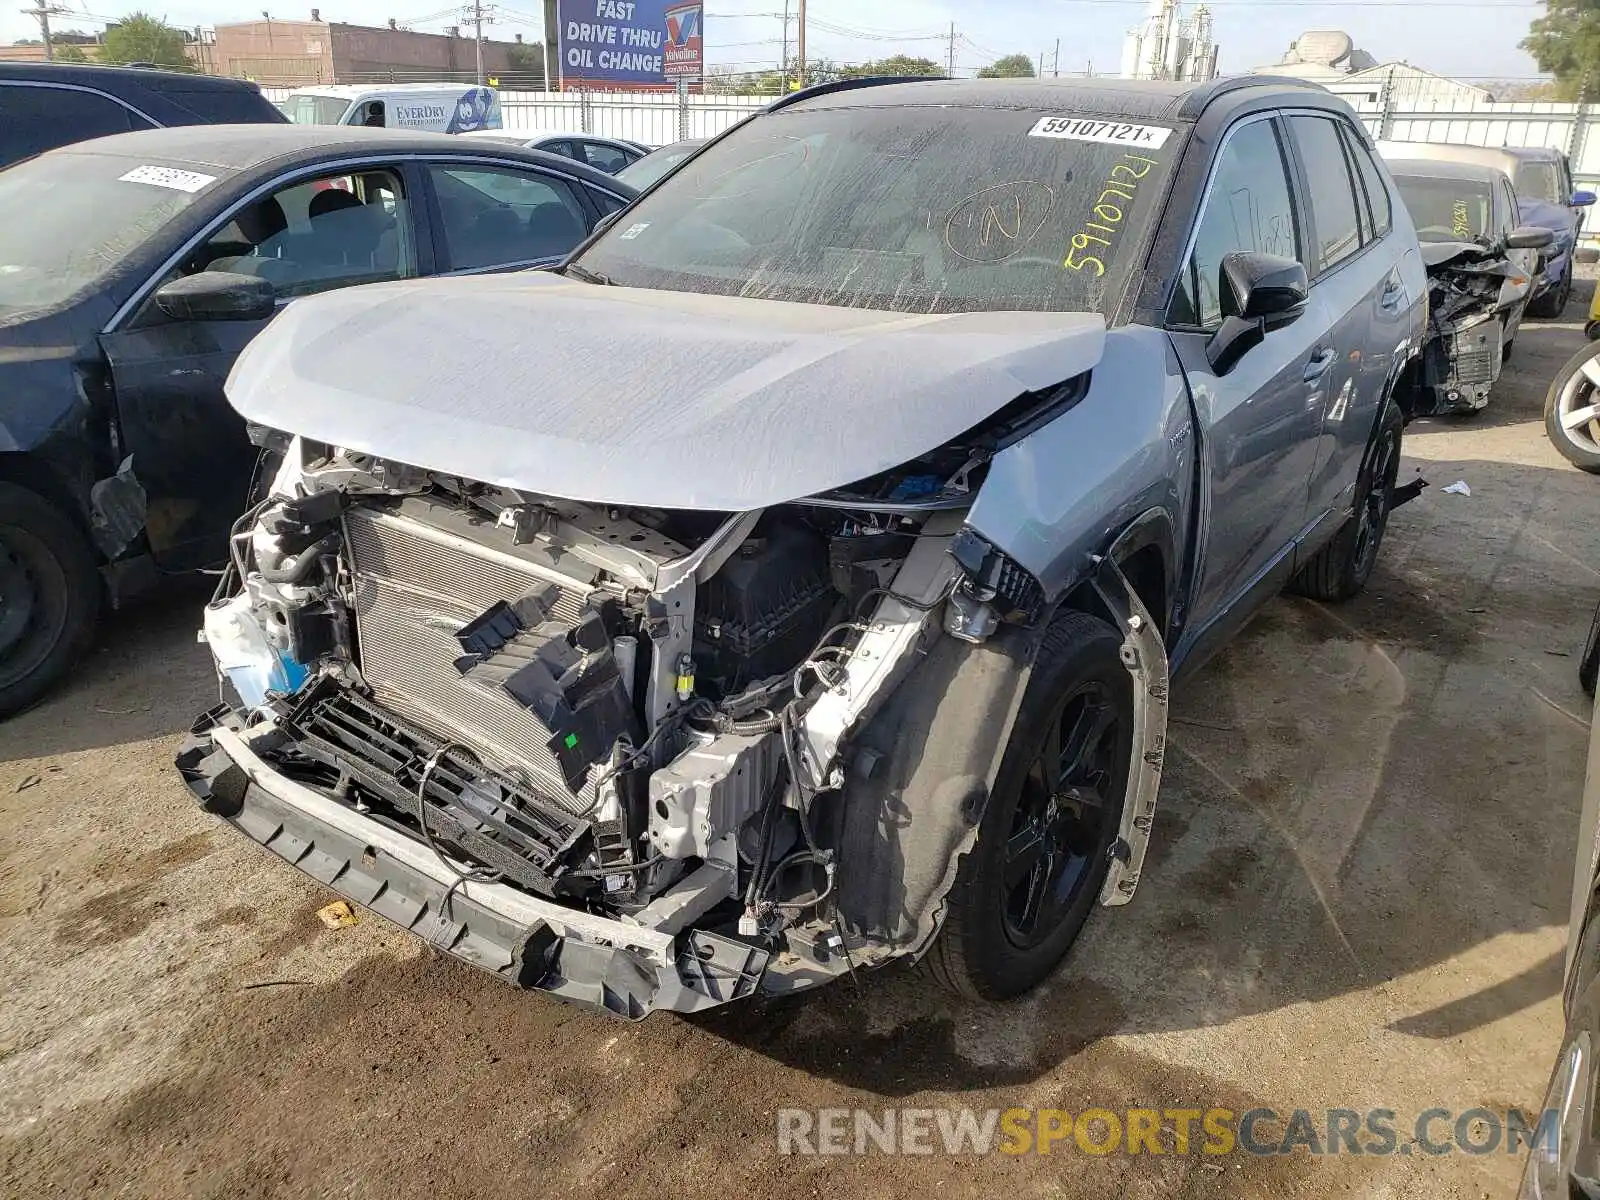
{"x":851,"y":499}
{"x":1546,"y":198}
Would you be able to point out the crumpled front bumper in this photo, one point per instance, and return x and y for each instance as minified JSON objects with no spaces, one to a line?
{"x":599,"y":962}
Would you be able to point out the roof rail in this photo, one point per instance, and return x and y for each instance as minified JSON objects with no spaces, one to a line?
{"x":846,"y":85}
{"x":1196,"y":101}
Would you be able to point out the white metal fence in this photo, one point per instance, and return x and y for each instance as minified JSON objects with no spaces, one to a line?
{"x":654,"y":118}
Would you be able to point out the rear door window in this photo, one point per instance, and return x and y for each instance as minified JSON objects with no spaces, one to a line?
{"x":1332,"y":192}
{"x":1372,"y":182}
{"x":499,"y":216}
{"x":603,"y":157}
{"x":36,"y":119}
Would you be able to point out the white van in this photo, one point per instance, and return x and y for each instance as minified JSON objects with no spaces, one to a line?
{"x":432,"y":107}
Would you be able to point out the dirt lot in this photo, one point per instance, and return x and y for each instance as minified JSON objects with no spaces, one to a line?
{"x":1357,"y":899}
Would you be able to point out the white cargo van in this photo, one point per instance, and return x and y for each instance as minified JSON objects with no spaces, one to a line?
{"x":432,"y":107}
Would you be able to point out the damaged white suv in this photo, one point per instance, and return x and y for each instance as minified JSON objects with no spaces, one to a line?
{"x":790,"y":583}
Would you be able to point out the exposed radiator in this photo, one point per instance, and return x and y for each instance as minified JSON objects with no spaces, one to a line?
{"x":416,"y":584}
{"x":1477,"y":354}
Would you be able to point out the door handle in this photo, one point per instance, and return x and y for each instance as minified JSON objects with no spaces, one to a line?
{"x":1392,"y":292}
{"x":1319,"y":364}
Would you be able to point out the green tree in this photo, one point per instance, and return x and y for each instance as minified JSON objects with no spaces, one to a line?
{"x":899,"y":64}
{"x":1566,"y":43}
{"x":69,"y":54}
{"x":1012,"y":66}
{"x":139,"y":37}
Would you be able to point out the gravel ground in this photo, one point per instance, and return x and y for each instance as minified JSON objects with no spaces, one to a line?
{"x":1356,"y":899}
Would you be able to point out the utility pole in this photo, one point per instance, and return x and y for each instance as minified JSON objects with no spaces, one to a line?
{"x":477,"y":37}
{"x":42,"y":13}
{"x":800,"y":43}
{"x":1056,"y":71}
{"x":783,"y":62}
{"x":950,"y":62}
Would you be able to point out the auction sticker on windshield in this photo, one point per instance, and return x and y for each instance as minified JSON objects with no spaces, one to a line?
{"x":168,"y":177}
{"x":1112,"y":133}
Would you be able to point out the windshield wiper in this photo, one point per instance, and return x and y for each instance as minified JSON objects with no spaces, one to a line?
{"x":587,"y":275}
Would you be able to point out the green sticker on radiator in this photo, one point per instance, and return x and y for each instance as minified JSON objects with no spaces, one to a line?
{"x":572,"y":741}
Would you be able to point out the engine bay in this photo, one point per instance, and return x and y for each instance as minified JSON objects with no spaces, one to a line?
{"x":616,"y":708}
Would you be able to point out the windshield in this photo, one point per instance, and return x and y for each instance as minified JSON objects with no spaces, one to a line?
{"x":314,"y":110}
{"x":655,"y":164}
{"x":1447,"y":210}
{"x":67,"y":220}
{"x":1540,"y":181}
{"x":909,"y":209}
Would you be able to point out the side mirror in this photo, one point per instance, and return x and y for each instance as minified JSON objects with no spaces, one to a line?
{"x":1582,"y":199}
{"x":1263,"y":285}
{"x":217,"y":296}
{"x":1261,"y":292}
{"x":1529,"y":237}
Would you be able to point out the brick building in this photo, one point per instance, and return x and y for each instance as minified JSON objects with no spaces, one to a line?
{"x":278,"y":53}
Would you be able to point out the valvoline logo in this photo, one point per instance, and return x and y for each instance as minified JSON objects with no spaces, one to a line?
{"x":684,"y":40}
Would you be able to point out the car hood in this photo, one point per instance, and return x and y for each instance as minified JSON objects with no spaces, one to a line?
{"x":639,"y":397}
{"x":1462,"y":256}
{"x":1546,"y":215}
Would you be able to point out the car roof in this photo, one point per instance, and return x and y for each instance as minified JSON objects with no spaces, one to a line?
{"x":1490,"y":156}
{"x":1534,"y":153}
{"x":531,"y":135}
{"x":1128,"y":98}
{"x":1439,"y":168}
{"x":349,"y":91}
{"x":115,"y":79}
{"x":243,"y":147}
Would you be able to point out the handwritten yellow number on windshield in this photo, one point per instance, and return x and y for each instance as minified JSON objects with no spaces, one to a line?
{"x":1111,"y":207}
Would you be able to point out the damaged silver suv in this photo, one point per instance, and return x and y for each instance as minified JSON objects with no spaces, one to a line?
{"x":791,"y":582}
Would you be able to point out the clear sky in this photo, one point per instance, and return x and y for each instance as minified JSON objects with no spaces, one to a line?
{"x":1475,"y":39}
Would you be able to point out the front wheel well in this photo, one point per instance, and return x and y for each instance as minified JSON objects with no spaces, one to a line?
{"x":1409,"y":393}
{"x":1146,"y":570}
{"x":27,"y":471}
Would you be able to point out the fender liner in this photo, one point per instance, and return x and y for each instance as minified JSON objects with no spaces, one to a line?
{"x":1146,"y":659}
{"x":924,"y":766}
{"x":920,"y":777}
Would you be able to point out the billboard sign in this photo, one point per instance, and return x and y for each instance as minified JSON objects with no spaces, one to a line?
{"x":630,"y":42}
{"x":685,"y":43}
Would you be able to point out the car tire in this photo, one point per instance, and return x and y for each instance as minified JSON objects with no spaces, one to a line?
{"x":1592,"y":331}
{"x":49,"y":596}
{"x":1589,"y":664}
{"x":1025,"y":889}
{"x":1574,"y":393}
{"x":1553,"y":302}
{"x":1341,"y":568}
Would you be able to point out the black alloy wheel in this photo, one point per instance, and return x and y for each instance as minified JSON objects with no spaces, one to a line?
{"x":1025,"y":889}
{"x":1060,"y":831}
{"x":1372,"y":517}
